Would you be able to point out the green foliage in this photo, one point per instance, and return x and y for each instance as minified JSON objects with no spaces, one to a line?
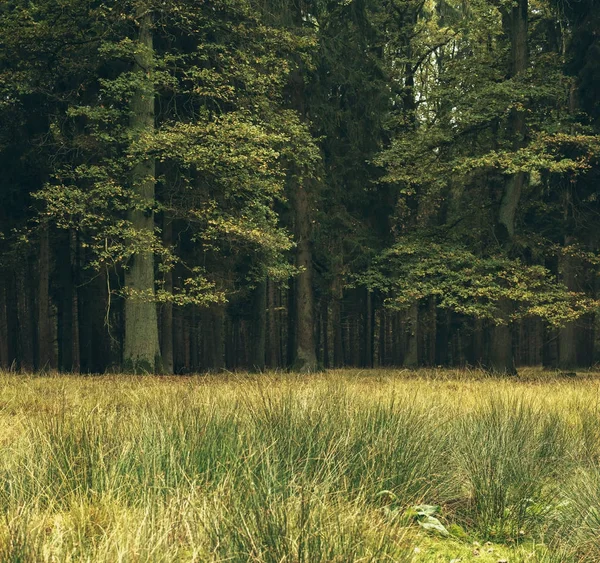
{"x":222,"y":141}
{"x":472,"y":285}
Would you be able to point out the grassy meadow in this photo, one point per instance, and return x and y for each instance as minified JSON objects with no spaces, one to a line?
{"x":345,"y":466}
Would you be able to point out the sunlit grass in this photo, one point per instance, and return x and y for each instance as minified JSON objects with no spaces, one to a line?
{"x":288,"y":468}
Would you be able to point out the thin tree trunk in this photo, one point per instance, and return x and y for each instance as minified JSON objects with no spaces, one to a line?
{"x":354,"y":336}
{"x":305,"y":354}
{"x":12,"y":319}
{"x":273,"y":331}
{"x":167,"y":308}
{"x":46,"y":357}
{"x":259,"y":327}
{"x":550,"y":349}
{"x":24,"y":310}
{"x":291,"y":323}
{"x":411,"y":358}
{"x":432,"y":331}
{"x":369,"y":330}
{"x":325,"y":325}
{"x":338,"y":337}
{"x":179,"y":355}
{"x":478,"y":338}
{"x":567,"y":335}
{"x":141,"y":351}
{"x":193,"y":340}
{"x":396,"y":340}
{"x":382,"y":337}
{"x":65,"y":311}
{"x":74,"y":290}
{"x":4,"y":358}
{"x":218,"y":336}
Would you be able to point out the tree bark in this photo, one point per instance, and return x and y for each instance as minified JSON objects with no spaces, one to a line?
{"x":259,"y":327}
{"x":411,"y":357}
{"x":382,"y":337}
{"x":273,"y":329}
{"x":567,"y":335}
{"x":4,"y":352}
{"x":218,"y":336}
{"x":432,"y":331}
{"x":194,"y":346}
{"x":24,"y":312}
{"x":478,"y":342}
{"x":325,"y":329}
{"x":46,"y":356}
{"x":291,"y":324}
{"x":141,"y":351}
{"x":12,"y":319}
{"x":354,"y":335}
{"x":179,"y":353}
{"x":305,"y":353}
{"x":369,"y":330}
{"x":68,"y":326}
{"x":75,"y":347}
{"x":338,"y":336}
{"x":167,"y":308}
{"x":501,"y":351}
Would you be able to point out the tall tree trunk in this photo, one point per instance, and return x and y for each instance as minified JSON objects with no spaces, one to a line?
{"x":354,"y":335}
{"x":338,"y":337}
{"x":502,"y":358}
{"x":550,"y":348}
{"x":24,"y":312}
{"x":68,"y":328}
{"x":305,"y":352}
{"x":306,"y":355}
{"x":273,"y":329}
{"x":478,"y":342}
{"x":46,"y":356}
{"x":516,"y":21}
{"x":179,"y":354}
{"x":75,"y":344}
{"x":567,"y":335}
{"x":218,"y":336}
{"x":12,"y":319}
{"x":166,"y":325}
{"x":432,"y":331}
{"x":94,"y":324}
{"x":442,"y":337}
{"x":141,"y":352}
{"x":382,"y":337}
{"x":411,"y":357}
{"x":195,"y":328}
{"x":369,"y":330}
{"x":291,"y":323}
{"x":397,"y":346}
{"x":325,"y":325}
{"x":259,"y":327}
{"x":4,"y":352}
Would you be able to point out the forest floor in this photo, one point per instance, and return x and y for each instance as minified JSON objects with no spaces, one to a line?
{"x":342,"y":466}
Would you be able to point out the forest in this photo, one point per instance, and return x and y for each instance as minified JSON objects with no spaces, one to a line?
{"x":198,"y":185}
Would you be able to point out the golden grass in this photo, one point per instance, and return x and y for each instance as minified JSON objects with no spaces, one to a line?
{"x":283,"y":467}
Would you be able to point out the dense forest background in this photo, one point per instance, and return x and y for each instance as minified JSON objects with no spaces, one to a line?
{"x":191,"y":185}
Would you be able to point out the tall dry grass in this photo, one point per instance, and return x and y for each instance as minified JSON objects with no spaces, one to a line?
{"x":284,"y":468}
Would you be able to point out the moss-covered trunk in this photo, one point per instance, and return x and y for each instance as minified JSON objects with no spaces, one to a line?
{"x":141,"y":351}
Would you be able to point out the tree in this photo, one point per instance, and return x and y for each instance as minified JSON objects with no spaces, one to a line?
{"x":141,"y":350}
